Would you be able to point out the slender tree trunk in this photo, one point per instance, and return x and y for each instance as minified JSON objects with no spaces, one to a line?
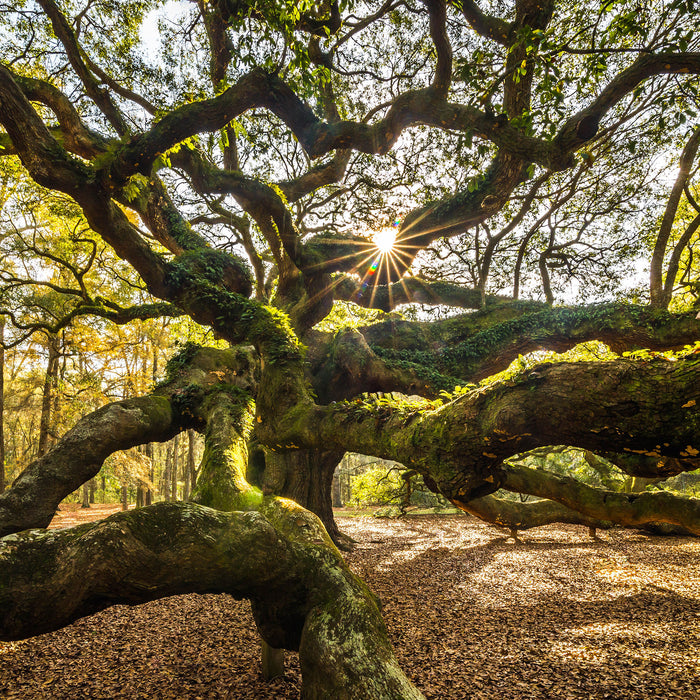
{"x":140,"y":486}
{"x":56,"y":394}
{"x":191,"y":469}
{"x":150,"y":450}
{"x":2,"y":404}
{"x":125,"y":497}
{"x":166,"y":472}
{"x":173,"y":468}
{"x":50,"y":380}
{"x":337,"y":500}
{"x":150,"y":453}
{"x":86,"y":496}
{"x":92,"y":491}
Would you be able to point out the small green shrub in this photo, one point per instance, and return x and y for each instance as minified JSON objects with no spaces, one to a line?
{"x":377,"y":487}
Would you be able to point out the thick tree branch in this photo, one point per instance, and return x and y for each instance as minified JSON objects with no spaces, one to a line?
{"x":304,"y":597}
{"x":630,"y":509}
{"x":523,"y":516}
{"x":639,"y":407}
{"x":42,"y":155}
{"x":411,"y":290}
{"x":34,"y":496}
{"x":583,"y":126}
{"x":76,"y":137}
{"x":486,"y":342}
{"x":486,"y":25}
{"x":437,"y":10}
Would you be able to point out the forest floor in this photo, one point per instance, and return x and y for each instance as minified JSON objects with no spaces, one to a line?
{"x":472,"y":615}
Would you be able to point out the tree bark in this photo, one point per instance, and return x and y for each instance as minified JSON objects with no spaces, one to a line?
{"x":78,"y":456}
{"x":629,"y":509}
{"x":646,"y":409}
{"x":303,"y":595}
{"x":305,"y":476}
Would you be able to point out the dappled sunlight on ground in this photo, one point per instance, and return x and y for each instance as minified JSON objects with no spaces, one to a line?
{"x":472,"y":615}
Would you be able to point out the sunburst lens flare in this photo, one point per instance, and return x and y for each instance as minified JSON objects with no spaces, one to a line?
{"x":384,"y":239}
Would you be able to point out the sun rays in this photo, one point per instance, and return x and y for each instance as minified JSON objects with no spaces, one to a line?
{"x":384,"y":239}
{"x":380,"y":262}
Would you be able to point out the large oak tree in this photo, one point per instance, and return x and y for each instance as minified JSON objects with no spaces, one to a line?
{"x":239,"y":156}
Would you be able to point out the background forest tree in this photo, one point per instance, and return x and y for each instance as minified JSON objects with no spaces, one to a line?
{"x":364,"y":213}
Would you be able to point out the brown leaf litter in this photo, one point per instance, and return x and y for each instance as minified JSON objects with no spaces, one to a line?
{"x":472,"y":615}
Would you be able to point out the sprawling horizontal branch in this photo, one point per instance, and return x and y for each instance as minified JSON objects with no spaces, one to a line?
{"x":630,"y":509}
{"x":640,"y":407}
{"x":581,"y":127}
{"x":484,"y":343}
{"x":304,"y":596}
{"x":524,"y":516}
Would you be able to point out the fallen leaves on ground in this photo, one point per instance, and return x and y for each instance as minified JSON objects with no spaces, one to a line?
{"x":472,"y":615}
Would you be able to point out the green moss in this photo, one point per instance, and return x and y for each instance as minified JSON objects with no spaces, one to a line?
{"x":208,"y":265}
{"x":180,"y":361}
{"x":159,"y":410}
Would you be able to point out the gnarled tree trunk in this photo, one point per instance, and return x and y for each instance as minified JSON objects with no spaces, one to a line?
{"x":305,"y":476}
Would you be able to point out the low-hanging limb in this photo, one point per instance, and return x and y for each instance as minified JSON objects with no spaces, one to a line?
{"x":523,"y":516}
{"x":32,"y":499}
{"x":630,"y":509}
{"x":304,"y":596}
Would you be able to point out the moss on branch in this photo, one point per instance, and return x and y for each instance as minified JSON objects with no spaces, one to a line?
{"x":175,"y":405}
{"x":488,"y":341}
{"x":629,"y":509}
{"x":303,"y":595}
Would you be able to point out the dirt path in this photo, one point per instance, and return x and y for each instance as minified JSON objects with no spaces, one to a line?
{"x":471,"y":614}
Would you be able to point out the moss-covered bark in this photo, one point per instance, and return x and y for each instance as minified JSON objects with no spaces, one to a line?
{"x":221,"y":482}
{"x":32,"y":499}
{"x":647,"y":408}
{"x":478,"y":345}
{"x":306,"y":477}
{"x":629,"y":509}
{"x":523,"y":516}
{"x":303,"y":594}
